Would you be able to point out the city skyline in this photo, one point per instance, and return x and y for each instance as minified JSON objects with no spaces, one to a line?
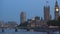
{"x":15,"y":16}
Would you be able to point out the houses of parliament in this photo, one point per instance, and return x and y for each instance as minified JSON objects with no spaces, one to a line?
{"x":36,"y":21}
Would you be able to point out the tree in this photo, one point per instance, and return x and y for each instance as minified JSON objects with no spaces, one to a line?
{"x":52,"y":22}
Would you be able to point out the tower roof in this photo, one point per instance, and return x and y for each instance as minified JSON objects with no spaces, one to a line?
{"x":56,"y":3}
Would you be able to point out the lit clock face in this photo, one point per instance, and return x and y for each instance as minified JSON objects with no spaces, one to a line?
{"x":57,"y":9}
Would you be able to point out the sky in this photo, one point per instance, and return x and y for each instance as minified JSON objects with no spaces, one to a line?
{"x":10,"y":9}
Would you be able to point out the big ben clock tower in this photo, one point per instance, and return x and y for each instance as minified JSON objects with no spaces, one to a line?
{"x":56,"y":10}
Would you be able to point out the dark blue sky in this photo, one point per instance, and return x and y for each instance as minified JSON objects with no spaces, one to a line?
{"x":10,"y":9}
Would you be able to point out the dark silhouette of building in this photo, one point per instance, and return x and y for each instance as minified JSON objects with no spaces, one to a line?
{"x":23,"y":17}
{"x":37,"y":18}
{"x":36,"y":21}
{"x":56,"y":12}
{"x":46,"y":13}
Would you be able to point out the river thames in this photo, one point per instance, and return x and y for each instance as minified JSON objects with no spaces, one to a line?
{"x":22,"y":31}
{"x":12,"y":31}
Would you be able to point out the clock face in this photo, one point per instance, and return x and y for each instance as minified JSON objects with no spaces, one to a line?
{"x":57,"y":9}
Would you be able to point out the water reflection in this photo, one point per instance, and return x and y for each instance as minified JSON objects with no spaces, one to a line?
{"x":23,"y":31}
{"x":20,"y":31}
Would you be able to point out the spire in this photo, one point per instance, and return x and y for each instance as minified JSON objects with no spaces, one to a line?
{"x":56,"y":4}
{"x":41,"y":19}
{"x":50,"y":16}
{"x":47,"y":3}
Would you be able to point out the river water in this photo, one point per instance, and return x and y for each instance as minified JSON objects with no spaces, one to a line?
{"x":21,"y":31}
